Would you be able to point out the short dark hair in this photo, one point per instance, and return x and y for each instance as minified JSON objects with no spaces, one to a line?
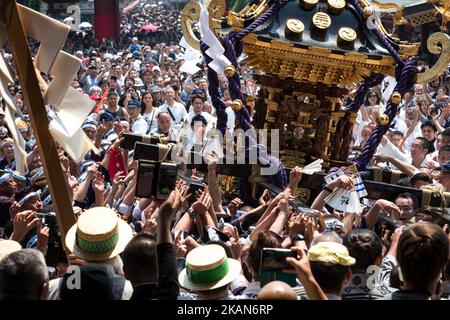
{"x":196,"y":96}
{"x":95,"y":284}
{"x":330,"y":277}
{"x":264,"y":240}
{"x":430,"y":124}
{"x":111,"y":92}
{"x":397,"y":133}
{"x":425,"y":143}
{"x":422,"y":253}
{"x":421,"y":176}
{"x":407,"y":195}
{"x":140,"y":255}
{"x":22,"y":274}
{"x":446,"y":132}
{"x":444,"y":148}
{"x":199,"y":118}
{"x":365,"y":246}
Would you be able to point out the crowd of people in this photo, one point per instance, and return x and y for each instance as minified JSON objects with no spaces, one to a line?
{"x":206,"y":243}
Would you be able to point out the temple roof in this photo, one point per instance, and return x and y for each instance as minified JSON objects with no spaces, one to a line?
{"x":365,"y":43}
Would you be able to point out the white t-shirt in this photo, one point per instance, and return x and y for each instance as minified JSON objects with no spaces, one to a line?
{"x":151,"y":118}
{"x":178,"y":112}
{"x":139,"y":126}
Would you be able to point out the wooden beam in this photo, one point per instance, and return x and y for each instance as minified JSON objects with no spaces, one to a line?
{"x":39,"y":121}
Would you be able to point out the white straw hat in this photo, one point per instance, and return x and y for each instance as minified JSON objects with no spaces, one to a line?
{"x":208,"y":268}
{"x":99,"y":234}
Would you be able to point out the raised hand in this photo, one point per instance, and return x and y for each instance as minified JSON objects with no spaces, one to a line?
{"x":42,"y":238}
{"x":169,"y":207}
{"x":301,"y":265}
{"x":234,"y":244}
{"x":92,"y":170}
{"x":23,"y":222}
{"x":295,"y":176}
{"x":149,"y":226}
{"x":97,"y":184}
{"x":389,"y":208}
{"x":234,"y":205}
{"x":14,"y":209}
{"x":343,"y":182}
{"x":297,"y":225}
{"x":265,"y":198}
{"x":203,"y":203}
{"x":118,"y":180}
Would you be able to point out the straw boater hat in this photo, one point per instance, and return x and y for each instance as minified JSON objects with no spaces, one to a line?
{"x":98,"y":235}
{"x":208,"y":268}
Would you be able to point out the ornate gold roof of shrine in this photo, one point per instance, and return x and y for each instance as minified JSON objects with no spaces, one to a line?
{"x":316,"y":41}
{"x":310,"y":40}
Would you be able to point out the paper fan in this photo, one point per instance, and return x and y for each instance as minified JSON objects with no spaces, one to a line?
{"x":344,"y":200}
{"x":352,"y":172}
{"x":313,"y":167}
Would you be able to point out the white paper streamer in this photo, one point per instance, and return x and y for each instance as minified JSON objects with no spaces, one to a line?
{"x":19,"y":141}
{"x":390,"y":88}
{"x":72,"y":107}
{"x":191,"y":58}
{"x":215,"y":51}
{"x":313,"y":167}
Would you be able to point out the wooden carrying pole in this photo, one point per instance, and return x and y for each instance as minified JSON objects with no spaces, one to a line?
{"x":36,"y":107}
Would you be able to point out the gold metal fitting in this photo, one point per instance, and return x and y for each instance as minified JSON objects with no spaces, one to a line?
{"x":396,"y":97}
{"x":346,"y":38}
{"x":229,"y":71}
{"x":336,"y":6}
{"x":308,"y":4}
{"x":236,"y":105}
{"x":321,"y":21}
{"x":368,"y":12}
{"x":294,"y":28}
{"x":383,"y":119}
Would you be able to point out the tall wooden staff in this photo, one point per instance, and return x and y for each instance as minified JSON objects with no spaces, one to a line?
{"x":36,"y":107}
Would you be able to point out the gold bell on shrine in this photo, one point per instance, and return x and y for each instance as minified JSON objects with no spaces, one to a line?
{"x":368,"y":11}
{"x":236,"y":105}
{"x":396,"y":97}
{"x":229,"y":71}
{"x":383,"y":119}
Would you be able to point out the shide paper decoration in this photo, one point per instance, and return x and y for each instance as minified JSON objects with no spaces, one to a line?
{"x":71,"y":107}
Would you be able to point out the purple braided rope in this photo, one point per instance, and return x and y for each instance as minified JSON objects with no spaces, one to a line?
{"x":233,"y":48}
{"x":213,"y":88}
{"x":380,"y":36}
{"x":405,"y":76}
{"x":274,"y":8}
{"x":234,"y":84}
{"x":373,"y":80}
{"x":238,"y":45}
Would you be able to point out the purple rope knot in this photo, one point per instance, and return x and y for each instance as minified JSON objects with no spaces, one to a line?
{"x":405,"y":80}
